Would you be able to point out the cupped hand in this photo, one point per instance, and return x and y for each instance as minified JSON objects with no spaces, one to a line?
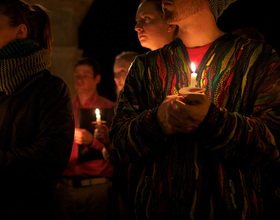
{"x":101,"y":133}
{"x":82,"y":136}
{"x":182,"y":114}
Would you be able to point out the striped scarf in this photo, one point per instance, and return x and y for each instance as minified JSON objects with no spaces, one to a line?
{"x":20,"y":60}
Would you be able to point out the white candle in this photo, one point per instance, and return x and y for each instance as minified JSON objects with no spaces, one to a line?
{"x":98,"y":116}
{"x":193,"y":75}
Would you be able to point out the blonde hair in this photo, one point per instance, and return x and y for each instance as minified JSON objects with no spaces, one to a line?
{"x":127,"y":56}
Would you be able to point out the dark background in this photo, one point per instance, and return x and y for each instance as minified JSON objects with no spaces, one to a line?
{"x":108,"y":29}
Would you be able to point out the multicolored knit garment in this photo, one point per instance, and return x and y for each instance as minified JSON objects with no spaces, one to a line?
{"x":214,"y":173}
{"x":18,"y":61}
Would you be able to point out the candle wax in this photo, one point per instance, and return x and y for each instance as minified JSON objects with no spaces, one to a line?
{"x":193,"y":79}
{"x":193,"y":76}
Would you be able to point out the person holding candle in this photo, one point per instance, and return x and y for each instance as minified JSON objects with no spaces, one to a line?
{"x":84,"y":189}
{"x":36,"y":119}
{"x":202,"y":153}
{"x":153,"y":33}
{"x":120,"y":178}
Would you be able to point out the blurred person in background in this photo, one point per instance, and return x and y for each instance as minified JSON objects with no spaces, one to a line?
{"x":84,"y":191}
{"x":36,"y":119}
{"x":121,"y":66}
{"x":120,"y":178}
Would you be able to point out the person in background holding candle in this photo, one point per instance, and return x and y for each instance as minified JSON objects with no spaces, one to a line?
{"x":84,"y":190}
{"x":120,"y":184}
{"x":203,"y":157}
{"x":36,"y":119}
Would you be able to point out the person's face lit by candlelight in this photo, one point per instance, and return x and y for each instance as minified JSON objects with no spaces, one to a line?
{"x":85,"y":82}
{"x":120,"y":71}
{"x":152,"y":31}
{"x":121,"y":67}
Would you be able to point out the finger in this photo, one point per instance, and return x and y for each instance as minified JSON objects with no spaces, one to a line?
{"x":181,"y":97}
{"x":98,"y":126}
{"x":195,"y":98}
{"x":181,"y":124}
{"x":169,"y":97}
{"x":84,"y":131}
{"x":174,"y":120}
{"x":77,"y":132}
{"x":78,"y":140}
{"x":99,"y":136}
{"x":77,"y":135}
{"x":173,"y":105}
{"x":178,"y":106}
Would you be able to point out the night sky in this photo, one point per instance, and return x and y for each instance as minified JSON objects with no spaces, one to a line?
{"x":108,"y":29}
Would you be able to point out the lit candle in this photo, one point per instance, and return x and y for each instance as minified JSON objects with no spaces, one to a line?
{"x":193,"y":75}
{"x":98,"y":116}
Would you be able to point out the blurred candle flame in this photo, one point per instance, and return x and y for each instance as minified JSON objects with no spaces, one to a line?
{"x":193,"y":67}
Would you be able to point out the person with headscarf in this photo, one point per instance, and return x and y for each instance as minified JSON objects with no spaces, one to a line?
{"x":202,"y":152}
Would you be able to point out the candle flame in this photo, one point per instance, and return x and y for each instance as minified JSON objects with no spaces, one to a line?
{"x":193,"y":67}
{"x":97,"y":112}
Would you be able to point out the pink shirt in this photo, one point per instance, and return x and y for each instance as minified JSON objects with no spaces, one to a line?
{"x":99,"y":167}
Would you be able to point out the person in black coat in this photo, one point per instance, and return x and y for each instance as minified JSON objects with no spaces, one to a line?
{"x":36,"y":119}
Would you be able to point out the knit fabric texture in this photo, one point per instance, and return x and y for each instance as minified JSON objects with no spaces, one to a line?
{"x":20,"y":60}
{"x":213,"y":173}
{"x":218,"y":6}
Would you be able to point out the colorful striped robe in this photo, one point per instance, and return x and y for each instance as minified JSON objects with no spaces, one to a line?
{"x":214,"y":173}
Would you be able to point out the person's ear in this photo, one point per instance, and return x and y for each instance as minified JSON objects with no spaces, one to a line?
{"x":97,"y":79}
{"x":171,"y":27}
{"x":22,"y":32}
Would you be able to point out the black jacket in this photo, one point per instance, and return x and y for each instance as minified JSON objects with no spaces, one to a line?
{"x":36,"y":136}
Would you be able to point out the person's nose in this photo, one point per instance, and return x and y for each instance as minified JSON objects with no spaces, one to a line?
{"x":117,"y":79}
{"x":138,"y":27}
{"x":79,"y":78}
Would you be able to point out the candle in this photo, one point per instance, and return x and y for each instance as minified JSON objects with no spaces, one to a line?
{"x":193,"y":75}
{"x":98,"y":116}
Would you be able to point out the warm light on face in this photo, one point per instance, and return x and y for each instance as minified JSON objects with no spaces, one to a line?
{"x":193,"y":67}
